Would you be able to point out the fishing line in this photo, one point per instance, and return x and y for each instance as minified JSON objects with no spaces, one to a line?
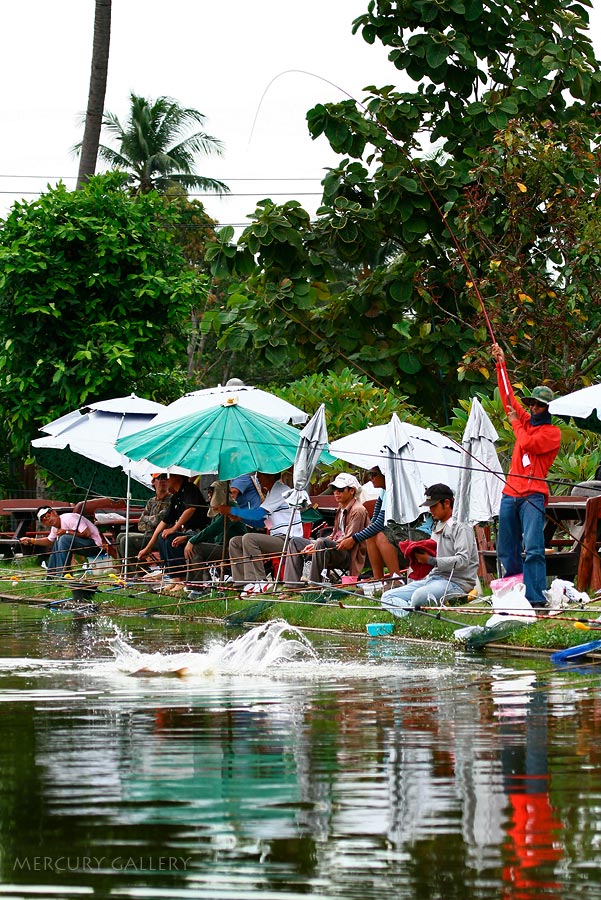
{"x":417,"y":171}
{"x":412,"y":163}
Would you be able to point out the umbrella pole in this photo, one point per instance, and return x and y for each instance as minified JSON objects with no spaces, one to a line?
{"x":83,"y":506}
{"x":127,"y":509}
{"x":224,"y":549}
{"x":285,"y":547}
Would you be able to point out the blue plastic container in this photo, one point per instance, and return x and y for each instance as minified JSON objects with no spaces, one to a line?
{"x":377,"y":629}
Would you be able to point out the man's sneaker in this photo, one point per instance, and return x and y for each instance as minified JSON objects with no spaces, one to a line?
{"x":259,"y":587}
{"x":154,"y":574}
{"x":541,"y":608}
{"x":197,"y":593}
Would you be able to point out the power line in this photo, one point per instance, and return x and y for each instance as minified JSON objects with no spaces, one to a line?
{"x":266,"y":178}
{"x":202,"y":194}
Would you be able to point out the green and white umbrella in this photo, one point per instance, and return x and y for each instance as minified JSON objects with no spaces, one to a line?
{"x":234,"y":390}
{"x":226,"y":440}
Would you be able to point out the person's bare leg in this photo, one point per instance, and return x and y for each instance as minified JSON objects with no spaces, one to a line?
{"x":388,"y":553}
{"x":375,"y":558}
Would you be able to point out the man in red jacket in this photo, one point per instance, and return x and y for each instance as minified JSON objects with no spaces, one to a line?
{"x":522,"y":513}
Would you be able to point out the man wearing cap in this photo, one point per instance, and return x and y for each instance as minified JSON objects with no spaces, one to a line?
{"x":454,"y":568}
{"x":522,"y":513}
{"x":351,"y":516}
{"x":69,"y":532}
{"x":150,"y":518}
{"x":382,"y":546}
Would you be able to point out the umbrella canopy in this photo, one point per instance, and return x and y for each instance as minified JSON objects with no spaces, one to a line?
{"x":313,"y":441}
{"x":437,"y":456}
{"x":404,"y":486}
{"x":583,"y":406}
{"x":226,"y":440}
{"x":246,"y":396}
{"x":478,"y":495}
{"x":80,"y":446}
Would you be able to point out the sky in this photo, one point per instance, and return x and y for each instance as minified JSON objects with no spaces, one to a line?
{"x":218,"y":58}
{"x":233,"y":61}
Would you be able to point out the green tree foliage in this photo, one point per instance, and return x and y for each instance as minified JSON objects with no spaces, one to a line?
{"x":508,"y":93}
{"x":93,"y":294}
{"x":352,"y":402}
{"x":541,"y":273}
{"x":153,"y":147}
{"x":195,"y":230}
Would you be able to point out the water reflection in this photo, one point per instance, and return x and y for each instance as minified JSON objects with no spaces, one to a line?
{"x":364,"y":768}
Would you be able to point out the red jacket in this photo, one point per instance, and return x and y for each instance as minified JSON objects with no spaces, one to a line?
{"x":408,"y":548}
{"x":536,"y":446}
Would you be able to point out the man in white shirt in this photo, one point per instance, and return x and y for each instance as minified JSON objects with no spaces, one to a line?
{"x":248,"y":552}
{"x":68,"y":532}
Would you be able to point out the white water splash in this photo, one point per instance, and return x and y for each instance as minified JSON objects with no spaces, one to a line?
{"x":258,"y":651}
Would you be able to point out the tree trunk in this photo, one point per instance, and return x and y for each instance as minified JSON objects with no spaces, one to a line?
{"x":98,"y":74}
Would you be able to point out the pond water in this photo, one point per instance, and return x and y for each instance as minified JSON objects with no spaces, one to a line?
{"x":271,"y":766}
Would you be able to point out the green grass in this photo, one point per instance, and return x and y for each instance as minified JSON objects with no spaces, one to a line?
{"x":340,"y":611}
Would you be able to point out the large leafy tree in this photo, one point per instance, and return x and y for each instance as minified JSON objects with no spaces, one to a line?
{"x":156,"y":147}
{"x":505,"y":205}
{"x":98,"y":76}
{"x":95,"y":297}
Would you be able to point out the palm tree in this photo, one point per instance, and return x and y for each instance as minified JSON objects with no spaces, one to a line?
{"x":153,"y":148}
{"x":93,"y":120}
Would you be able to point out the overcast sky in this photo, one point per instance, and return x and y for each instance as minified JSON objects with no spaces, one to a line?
{"x":217,"y":57}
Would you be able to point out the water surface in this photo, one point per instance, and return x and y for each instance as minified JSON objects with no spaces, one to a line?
{"x":277,"y":767}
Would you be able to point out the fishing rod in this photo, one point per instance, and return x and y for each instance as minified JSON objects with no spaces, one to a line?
{"x":437,"y":615}
{"x":417,"y":170}
{"x":412,"y":163}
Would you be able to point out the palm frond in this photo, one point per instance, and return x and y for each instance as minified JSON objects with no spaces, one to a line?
{"x":153,"y":146}
{"x":198,"y":182}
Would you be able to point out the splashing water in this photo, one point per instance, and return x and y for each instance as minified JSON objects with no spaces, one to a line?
{"x":259,"y":650}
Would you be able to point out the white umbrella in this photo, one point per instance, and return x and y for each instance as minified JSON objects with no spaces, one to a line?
{"x":437,"y":456}
{"x":88,"y":435}
{"x":92,"y":432}
{"x":481,"y":482}
{"x":245,"y":395}
{"x":583,"y":406}
{"x":313,"y":442}
{"x":404,"y":485}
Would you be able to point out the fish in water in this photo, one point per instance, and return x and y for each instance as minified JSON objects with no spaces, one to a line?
{"x":146,"y":672}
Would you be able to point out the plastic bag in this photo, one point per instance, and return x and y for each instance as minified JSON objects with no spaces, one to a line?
{"x":103,"y":564}
{"x":510,"y":603}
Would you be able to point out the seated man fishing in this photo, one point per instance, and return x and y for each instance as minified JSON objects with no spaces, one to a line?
{"x":351,"y":516}
{"x":249,"y":551}
{"x":205,"y":547}
{"x":453,"y":570}
{"x":69,"y":532}
{"x":187,"y":509}
{"x":380,"y":542}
